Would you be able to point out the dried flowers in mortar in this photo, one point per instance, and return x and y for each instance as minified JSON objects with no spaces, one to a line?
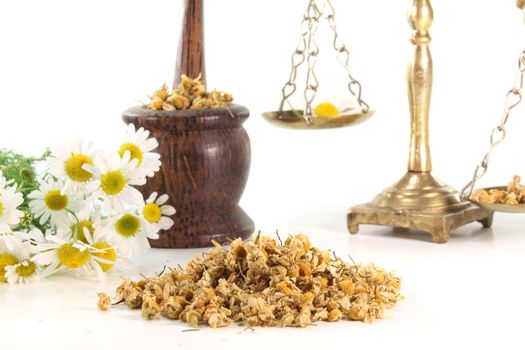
{"x":264,"y":283}
{"x":513,"y":195}
{"x":83,"y":214}
{"x":190,"y":94}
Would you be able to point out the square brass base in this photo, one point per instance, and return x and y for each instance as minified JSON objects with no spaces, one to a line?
{"x":438,"y":224}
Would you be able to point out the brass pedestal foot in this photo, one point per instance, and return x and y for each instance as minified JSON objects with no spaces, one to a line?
{"x":438,"y":224}
{"x":419,"y":201}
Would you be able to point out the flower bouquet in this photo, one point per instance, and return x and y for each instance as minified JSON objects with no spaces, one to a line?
{"x":83,"y":212}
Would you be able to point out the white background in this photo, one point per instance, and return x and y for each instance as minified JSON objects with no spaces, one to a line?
{"x":69,"y":68}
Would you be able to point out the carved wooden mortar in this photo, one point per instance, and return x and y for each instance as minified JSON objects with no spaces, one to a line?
{"x":205,"y":164}
{"x":205,"y":155}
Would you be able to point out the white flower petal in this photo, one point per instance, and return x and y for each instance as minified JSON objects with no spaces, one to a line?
{"x":162,"y":199}
{"x":168,"y":210}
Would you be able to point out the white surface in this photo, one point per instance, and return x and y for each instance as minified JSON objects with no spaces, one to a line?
{"x":467,"y":293}
{"x":70,"y":68}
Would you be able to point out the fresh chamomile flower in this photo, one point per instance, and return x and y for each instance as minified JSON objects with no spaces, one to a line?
{"x":115,"y":177}
{"x":131,"y":231}
{"x":59,"y":253}
{"x":10,"y":200}
{"x":14,"y":241}
{"x":156,"y":213}
{"x":24,"y":271}
{"x":139,"y":145}
{"x":326,"y":109}
{"x":66,"y":163}
{"x":86,"y":218}
{"x":6,"y":259}
{"x":330,"y":110}
{"x":51,"y":203}
{"x":13,"y":249}
{"x":104,"y":258}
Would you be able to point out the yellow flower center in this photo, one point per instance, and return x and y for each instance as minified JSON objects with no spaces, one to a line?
{"x":107,"y":253}
{"x":113,"y":182}
{"x":6,"y":259}
{"x":26,"y":270}
{"x":128,"y":225}
{"x":55,"y":201}
{"x":72,"y":257}
{"x":326,"y":109}
{"x":73,"y":167}
{"x":152,"y":212}
{"x":1,"y":208}
{"x":134,"y":151}
{"x":80,"y":229}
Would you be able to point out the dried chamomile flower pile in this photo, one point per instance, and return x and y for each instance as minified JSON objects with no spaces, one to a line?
{"x":263,"y":283}
{"x":190,"y":94}
{"x":515,"y":194}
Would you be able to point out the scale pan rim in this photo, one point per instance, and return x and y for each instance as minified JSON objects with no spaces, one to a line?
{"x":289,"y":120}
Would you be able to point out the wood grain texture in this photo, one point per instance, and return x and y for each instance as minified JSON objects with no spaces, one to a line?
{"x":190,"y":55}
{"x":205,"y":165}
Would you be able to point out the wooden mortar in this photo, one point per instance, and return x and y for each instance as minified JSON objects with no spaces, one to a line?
{"x":205,"y":155}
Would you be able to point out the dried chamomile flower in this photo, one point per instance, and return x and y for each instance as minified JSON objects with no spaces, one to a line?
{"x":202,"y":103}
{"x":157,"y":100}
{"x":156,"y":104}
{"x":104,"y":302}
{"x":189,"y":94}
{"x":162,"y":93}
{"x":193,"y":88}
{"x":262,"y":282}
{"x":150,"y":308}
{"x":179,"y":102}
{"x":481,"y":196}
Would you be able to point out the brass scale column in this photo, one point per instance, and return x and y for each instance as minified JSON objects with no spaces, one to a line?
{"x":419,"y":201}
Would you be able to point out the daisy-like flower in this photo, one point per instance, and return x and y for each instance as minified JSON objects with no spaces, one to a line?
{"x":105,"y":257}
{"x":115,"y":177}
{"x":58,"y":253}
{"x":14,"y":241}
{"x":6,"y":259}
{"x":13,"y":250}
{"x":67,"y":164}
{"x":131,"y":231}
{"x":156,"y":213}
{"x":51,"y":203}
{"x":10,"y":200}
{"x":139,"y":146}
{"x":25,"y":271}
{"x":86,"y":219}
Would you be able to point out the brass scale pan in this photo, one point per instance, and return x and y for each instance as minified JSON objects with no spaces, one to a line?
{"x":295,"y":120}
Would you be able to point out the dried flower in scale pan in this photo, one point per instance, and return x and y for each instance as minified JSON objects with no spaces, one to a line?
{"x":265,"y":283}
{"x":513,"y":195}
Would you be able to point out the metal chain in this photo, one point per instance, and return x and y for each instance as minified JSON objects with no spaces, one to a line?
{"x":512,"y":100}
{"x":308,"y":50}
{"x":299,"y":56}
{"x":343,"y":56}
{"x":312,"y":83}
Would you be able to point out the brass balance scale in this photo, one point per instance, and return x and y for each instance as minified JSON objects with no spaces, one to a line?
{"x":417,"y":201}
